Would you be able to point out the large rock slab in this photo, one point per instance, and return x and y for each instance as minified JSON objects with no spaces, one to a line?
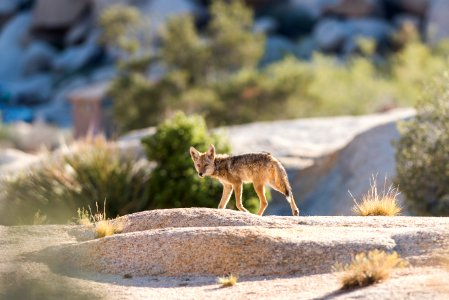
{"x":281,"y":246}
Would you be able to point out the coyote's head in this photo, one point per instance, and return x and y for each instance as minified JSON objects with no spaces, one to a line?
{"x":204,"y":162}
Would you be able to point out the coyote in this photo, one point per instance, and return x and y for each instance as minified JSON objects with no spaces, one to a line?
{"x":232,"y":171}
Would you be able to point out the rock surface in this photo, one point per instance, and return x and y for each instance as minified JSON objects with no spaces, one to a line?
{"x":29,"y":264}
{"x":199,"y":242}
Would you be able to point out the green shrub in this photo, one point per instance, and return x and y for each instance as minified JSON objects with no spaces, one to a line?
{"x":193,"y":64}
{"x":94,"y":172}
{"x":216,"y":72}
{"x":422,"y":152}
{"x":174,"y":182}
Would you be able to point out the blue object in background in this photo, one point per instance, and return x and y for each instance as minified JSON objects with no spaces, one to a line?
{"x":10,"y":114}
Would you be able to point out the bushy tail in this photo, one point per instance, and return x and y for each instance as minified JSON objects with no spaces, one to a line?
{"x":282,"y":184}
{"x":281,"y":181}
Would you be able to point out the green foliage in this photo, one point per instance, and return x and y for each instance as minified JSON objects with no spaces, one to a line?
{"x":183,"y":49}
{"x":215,"y":73}
{"x":194,"y":64}
{"x":413,"y":66}
{"x":233,"y":44}
{"x":95,"y":172}
{"x":118,"y":23}
{"x":422,"y":152}
{"x":174,"y":182}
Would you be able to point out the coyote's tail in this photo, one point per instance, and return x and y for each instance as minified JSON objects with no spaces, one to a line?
{"x":282,"y":185}
{"x":281,"y":181}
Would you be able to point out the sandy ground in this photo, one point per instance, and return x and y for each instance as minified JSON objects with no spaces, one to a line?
{"x":23,"y":276}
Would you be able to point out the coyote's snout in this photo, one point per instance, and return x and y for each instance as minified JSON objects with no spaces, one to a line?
{"x":233,"y":171}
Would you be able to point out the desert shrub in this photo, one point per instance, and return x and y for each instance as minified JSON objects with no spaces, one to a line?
{"x":368,"y":268}
{"x":93,"y":172}
{"x":102,"y":225}
{"x":422,"y":152}
{"x":227,"y":281}
{"x":375,"y":203}
{"x":174,"y":181}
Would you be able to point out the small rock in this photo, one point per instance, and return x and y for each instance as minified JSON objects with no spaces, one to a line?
{"x":330,"y":34}
{"x":38,"y":58}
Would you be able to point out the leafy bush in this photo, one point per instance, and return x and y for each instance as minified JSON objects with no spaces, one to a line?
{"x":94,"y":172}
{"x":422,"y":152}
{"x":368,"y":268}
{"x":174,"y":182}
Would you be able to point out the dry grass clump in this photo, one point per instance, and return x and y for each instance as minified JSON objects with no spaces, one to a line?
{"x":368,"y":268}
{"x":227,"y":281}
{"x":374,"y":203}
{"x":102,"y":226}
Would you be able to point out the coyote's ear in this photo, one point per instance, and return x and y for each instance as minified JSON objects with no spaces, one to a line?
{"x":211,"y":152}
{"x":195,"y":154}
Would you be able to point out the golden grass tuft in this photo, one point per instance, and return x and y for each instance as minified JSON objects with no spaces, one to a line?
{"x":106,"y":228}
{"x":368,"y":268}
{"x":102,"y":225}
{"x":227,"y":281}
{"x":378,"y":204}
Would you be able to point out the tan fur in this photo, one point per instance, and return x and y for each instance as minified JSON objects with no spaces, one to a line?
{"x":233,"y":171}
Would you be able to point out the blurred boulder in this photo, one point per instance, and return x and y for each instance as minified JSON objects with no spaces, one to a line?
{"x":58,"y":13}
{"x":376,"y":29}
{"x":7,"y":9}
{"x":76,"y":57}
{"x":276,"y":47}
{"x":11,"y":50}
{"x":437,"y":27}
{"x":53,"y":18}
{"x":265,"y":25}
{"x":33,"y":137}
{"x":38,"y":58}
{"x":401,"y":20}
{"x":12,"y":160}
{"x":352,"y":8}
{"x":296,"y":17}
{"x":79,"y":31}
{"x":417,"y":7}
{"x":330,"y":34}
{"x":31,"y":90}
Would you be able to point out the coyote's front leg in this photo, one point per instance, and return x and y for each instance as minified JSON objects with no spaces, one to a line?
{"x":227,"y":191}
{"x":238,"y":197}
